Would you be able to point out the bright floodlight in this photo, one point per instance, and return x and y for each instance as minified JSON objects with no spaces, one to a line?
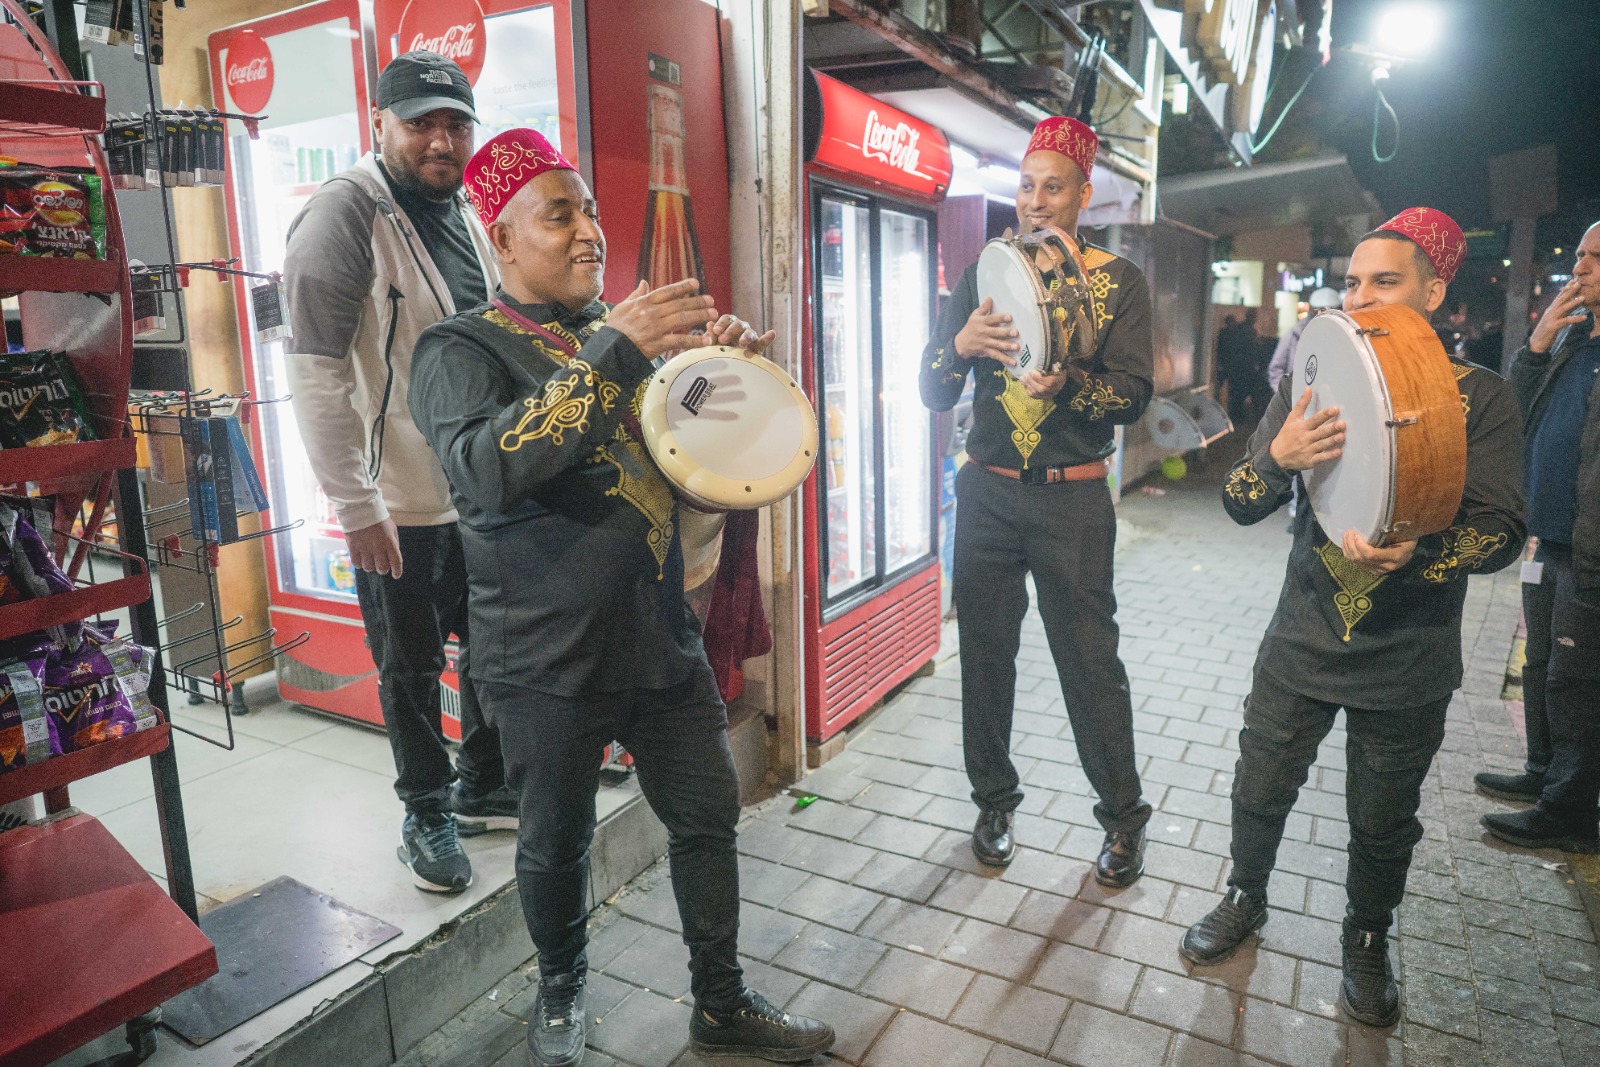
{"x":1408,"y":29}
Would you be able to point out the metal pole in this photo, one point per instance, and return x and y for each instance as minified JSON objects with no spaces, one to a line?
{"x":164,"y":764}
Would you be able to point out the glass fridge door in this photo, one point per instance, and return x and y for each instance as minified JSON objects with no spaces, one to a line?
{"x":313,"y":131}
{"x":849,"y":519}
{"x":907,"y":269}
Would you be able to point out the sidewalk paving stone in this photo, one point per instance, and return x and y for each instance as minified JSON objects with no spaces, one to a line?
{"x":868,"y":909}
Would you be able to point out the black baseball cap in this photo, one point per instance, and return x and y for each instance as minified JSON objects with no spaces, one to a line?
{"x":415,"y":83}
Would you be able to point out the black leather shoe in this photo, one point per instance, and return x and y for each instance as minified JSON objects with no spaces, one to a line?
{"x":1539,"y":829}
{"x":992,"y":842}
{"x":1523,"y":786}
{"x":556,"y":1024}
{"x":758,"y":1028}
{"x":1368,"y":993}
{"x":1218,"y":936}
{"x":1121,"y":859}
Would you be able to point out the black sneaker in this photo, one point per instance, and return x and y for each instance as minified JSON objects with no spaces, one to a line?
{"x":1536,"y":828}
{"x":1524,"y":786}
{"x":1215,"y":938}
{"x":1368,"y":993}
{"x":992,"y":840}
{"x":758,"y":1028}
{"x":557,"y":1024}
{"x":479,"y":815}
{"x":430,"y":847}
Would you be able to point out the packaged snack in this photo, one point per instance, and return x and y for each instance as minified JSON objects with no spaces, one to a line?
{"x":27,"y":736}
{"x":51,"y":212}
{"x":93,"y":694}
{"x":40,"y":402}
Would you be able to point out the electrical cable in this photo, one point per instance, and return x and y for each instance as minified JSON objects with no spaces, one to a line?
{"x":1258,"y":146}
{"x":1378,"y":107}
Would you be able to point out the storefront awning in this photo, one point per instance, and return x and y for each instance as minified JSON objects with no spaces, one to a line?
{"x":1299,"y":192}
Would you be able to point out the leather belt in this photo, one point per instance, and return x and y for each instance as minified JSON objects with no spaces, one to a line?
{"x":1083,"y":472}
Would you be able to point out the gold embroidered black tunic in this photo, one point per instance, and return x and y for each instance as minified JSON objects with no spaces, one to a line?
{"x":1010,"y":428}
{"x":569,"y":531}
{"x":1350,"y":637}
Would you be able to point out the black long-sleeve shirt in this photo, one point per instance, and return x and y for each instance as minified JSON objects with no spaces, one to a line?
{"x":569,"y":531}
{"x":1363,"y":640}
{"x":1010,"y":428}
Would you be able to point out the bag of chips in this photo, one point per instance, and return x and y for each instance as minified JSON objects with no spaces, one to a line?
{"x":51,"y":212}
{"x":27,"y":735}
{"x":94,"y":694}
{"x":40,"y":402}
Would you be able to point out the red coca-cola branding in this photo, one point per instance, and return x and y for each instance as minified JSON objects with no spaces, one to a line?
{"x":868,"y":138}
{"x":452,"y":28}
{"x":248,"y":72}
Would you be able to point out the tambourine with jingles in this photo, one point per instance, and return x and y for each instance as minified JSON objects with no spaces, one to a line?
{"x":1040,"y":281}
{"x":1403,"y":467}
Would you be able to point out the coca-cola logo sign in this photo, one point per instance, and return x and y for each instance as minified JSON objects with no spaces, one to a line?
{"x":248,"y":71}
{"x":895,"y":145}
{"x":452,"y":28}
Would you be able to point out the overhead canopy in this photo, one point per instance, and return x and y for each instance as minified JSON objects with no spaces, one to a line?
{"x":1322,"y":189}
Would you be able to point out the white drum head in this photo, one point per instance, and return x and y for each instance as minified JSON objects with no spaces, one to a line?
{"x":1355,"y":491}
{"x":1007,"y":278}
{"x":729,"y":429}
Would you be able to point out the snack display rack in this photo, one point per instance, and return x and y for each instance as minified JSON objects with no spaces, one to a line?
{"x":91,"y":941}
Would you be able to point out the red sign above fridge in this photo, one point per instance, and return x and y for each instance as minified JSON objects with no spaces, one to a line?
{"x":248,"y":72}
{"x":851,"y":132}
{"x":452,"y":28}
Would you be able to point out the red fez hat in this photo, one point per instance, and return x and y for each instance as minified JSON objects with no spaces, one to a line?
{"x":1436,"y":234}
{"x":504,"y":164}
{"x":1068,"y":137}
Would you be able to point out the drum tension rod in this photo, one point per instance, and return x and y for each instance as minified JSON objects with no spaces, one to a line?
{"x":1373,"y":331}
{"x":1403,"y":420}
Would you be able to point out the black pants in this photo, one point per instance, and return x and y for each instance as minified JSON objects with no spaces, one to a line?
{"x":1538,"y":607}
{"x":1065,"y":535}
{"x":1387,"y":754}
{"x":679,"y":741}
{"x":1571,"y":696}
{"x":409,"y":619}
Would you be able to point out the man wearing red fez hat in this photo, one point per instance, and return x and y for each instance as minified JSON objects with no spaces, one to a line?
{"x":380,"y":252}
{"x":1035,"y":500}
{"x":580,"y":631}
{"x":1374,"y":631}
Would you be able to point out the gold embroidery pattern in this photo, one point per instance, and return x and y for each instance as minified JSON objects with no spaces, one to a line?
{"x":641,"y":485}
{"x":1463,"y":547}
{"x":496,"y":317}
{"x":1100,"y":286}
{"x":1354,"y":585}
{"x":1096,"y":398}
{"x":1025,"y":414}
{"x":1094,"y":258}
{"x":1461,"y":370}
{"x":1245,"y":485}
{"x":559,"y":408}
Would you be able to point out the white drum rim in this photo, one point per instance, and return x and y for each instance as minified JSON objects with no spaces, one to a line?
{"x":1019,"y":263}
{"x":1358,"y":340}
{"x":712,"y":491}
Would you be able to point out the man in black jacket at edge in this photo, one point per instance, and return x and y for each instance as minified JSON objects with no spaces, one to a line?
{"x":1375,"y":631}
{"x":579,"y":625}
{"x":1034,"y":499}
{"x":1557,"y":379}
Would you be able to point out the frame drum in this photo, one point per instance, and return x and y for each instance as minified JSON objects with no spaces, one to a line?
{"x":728,"y":428}
{"x":1404,"y":463}
{"x":1039,"y":280}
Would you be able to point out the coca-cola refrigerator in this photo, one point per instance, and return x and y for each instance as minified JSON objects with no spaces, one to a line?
{"x":874,"y":176}
{"x":312,"y":72}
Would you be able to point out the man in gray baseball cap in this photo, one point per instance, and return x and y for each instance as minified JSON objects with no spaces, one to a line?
{"x":380,"y":253}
